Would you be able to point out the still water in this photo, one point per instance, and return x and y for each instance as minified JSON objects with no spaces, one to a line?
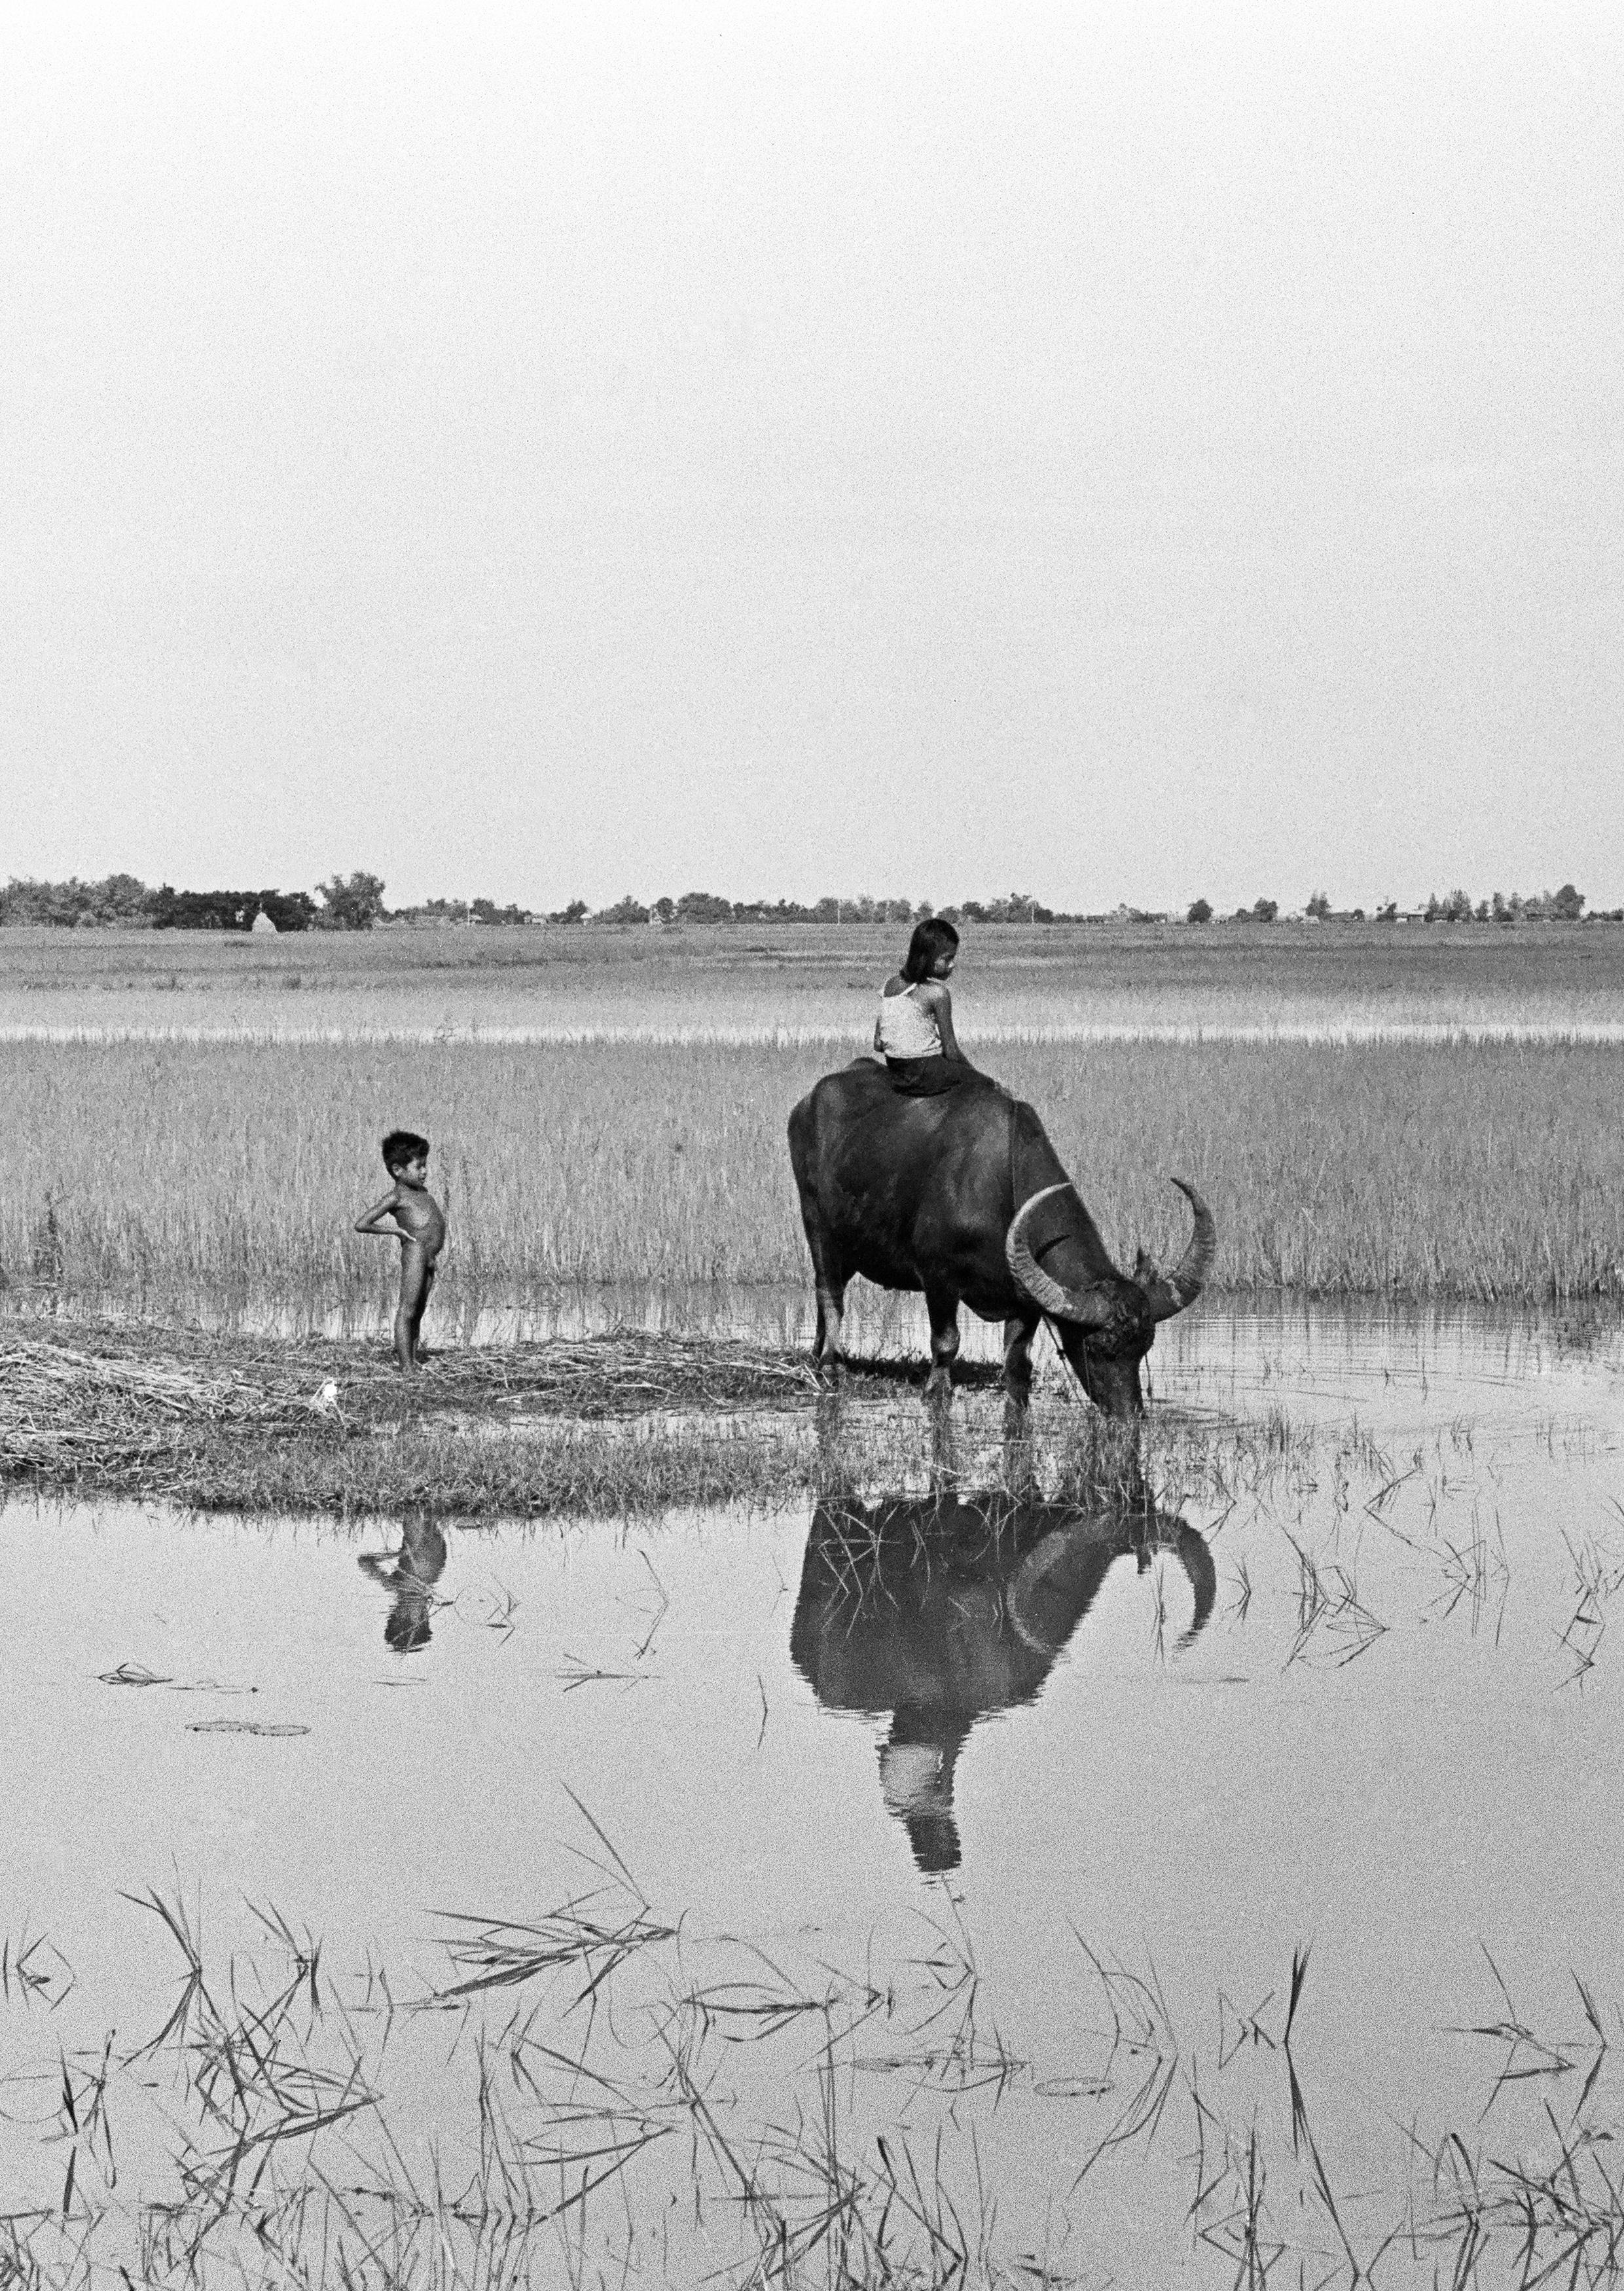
{"x":1091,"y":1778}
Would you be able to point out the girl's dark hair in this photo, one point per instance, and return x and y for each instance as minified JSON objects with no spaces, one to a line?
{"x":930,"y":938}
{"x":401,"y":1147}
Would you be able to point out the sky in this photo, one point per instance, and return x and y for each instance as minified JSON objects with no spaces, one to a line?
{"x":1114,"y":453}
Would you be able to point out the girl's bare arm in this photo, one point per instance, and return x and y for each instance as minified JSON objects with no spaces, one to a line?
{"x":939,"y":1002}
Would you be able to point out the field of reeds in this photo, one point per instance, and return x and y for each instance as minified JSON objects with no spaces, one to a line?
{"x":222,"y":1180}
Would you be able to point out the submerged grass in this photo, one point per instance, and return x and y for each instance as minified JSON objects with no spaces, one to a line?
{"x":595,"y":2093}
{"x":1486,"y":1170}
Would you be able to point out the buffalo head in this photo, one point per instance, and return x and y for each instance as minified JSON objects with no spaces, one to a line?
{"x":1106,"y":1323}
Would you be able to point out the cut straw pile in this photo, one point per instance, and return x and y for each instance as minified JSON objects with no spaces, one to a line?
{"x":62,"y":1406}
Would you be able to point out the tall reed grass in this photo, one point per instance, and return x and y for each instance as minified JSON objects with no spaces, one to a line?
{"x":226,"y":1178}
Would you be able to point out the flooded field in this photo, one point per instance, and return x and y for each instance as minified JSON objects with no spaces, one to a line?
{"x":919,"y":1884}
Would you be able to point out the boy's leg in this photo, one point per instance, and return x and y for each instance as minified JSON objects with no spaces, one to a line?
{"x":421,"y":1307}
{"x":430,"y":1278}
{"x":415,"y":1276}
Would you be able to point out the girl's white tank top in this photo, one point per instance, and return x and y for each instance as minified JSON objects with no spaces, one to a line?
{"x":906,"y":1030}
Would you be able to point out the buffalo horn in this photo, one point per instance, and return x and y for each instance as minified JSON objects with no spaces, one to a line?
{"x":1085,"y":1306}
{"x":1168,"y":1293}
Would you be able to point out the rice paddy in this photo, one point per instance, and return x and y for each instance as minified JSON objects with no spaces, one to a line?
{"x":612,"y":1811}
{"x":173,"y":1180}
{"x":799,"y":985}
{"x":1429,"y":1119}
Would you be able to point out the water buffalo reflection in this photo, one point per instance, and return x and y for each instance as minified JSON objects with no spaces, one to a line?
{"x":940,"y":1609}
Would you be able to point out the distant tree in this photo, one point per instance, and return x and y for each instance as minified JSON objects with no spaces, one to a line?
{"x":1318,"y":904}
{"x":665,"y":910}
{"x":1458,"y":907}
{"x":1201,"y":912}
{"x":1481,"y":911}
{"x":1264,"y":911}
{"x":1358,"y":914}
{"x":167,"y":909}
{"x":703,"y":907}
{"x":352,"y":903}
{"x":26,"y":900}
{"x":575,"y":912}
{"x":1389,"y":913}
{"x":290,"y":911}
{"x":120,"y":899}
{"x":434,"y":910}
{"x":487,"y":910}
{"x":624,"y":911}
{"x":1434,"y":907}
{"x":1566,"y":905}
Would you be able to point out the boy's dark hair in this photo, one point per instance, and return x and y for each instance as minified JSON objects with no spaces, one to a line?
{"x":401,"y":1147}
{"x":930,"y":938}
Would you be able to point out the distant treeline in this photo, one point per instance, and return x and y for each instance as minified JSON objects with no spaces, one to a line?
{"x":356,"y":903}
{"x":1566,"y":906}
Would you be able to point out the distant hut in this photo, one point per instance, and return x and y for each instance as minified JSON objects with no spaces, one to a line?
{"x":263,"y":926}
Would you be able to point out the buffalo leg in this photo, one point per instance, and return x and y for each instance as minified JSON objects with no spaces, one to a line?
{"x":1019,"y":1334}
{"x":831,"y":1302}
{"x":942,"y":1306}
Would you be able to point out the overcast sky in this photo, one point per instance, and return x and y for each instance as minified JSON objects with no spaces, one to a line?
{"x":1118,"y":451}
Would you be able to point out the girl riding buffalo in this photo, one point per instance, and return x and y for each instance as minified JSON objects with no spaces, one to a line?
{"x":914,"y":1030}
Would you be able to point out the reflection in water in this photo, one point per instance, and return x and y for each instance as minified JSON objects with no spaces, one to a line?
{"x":411,"y":1573}
{"x":941,"y":1608}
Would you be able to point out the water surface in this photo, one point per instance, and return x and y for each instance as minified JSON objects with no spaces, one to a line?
{"x":1355,"y":1689}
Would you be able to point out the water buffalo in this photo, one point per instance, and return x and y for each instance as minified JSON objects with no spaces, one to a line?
{"x":961,"y":1195}
{"x":940,"y":1610}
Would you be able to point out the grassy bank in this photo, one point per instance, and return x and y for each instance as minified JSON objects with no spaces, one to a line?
{"x":614,"y":1426}
{"x":170,"y":1179}
{"x":610,"y":1427}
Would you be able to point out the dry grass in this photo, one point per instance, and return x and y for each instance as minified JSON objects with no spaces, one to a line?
{"x":606,"y":1427}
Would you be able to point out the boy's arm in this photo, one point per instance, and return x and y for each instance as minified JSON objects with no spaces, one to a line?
{"x":371,"y":1220}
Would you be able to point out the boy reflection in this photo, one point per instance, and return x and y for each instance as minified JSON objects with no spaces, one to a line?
{"x":942,"y":1609}
{"x":411,"y":1573}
